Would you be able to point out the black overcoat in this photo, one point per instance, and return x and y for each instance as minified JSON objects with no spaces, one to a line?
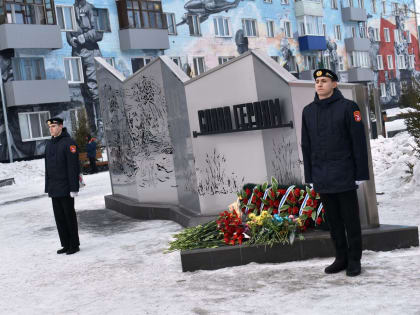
{"x":62,"y":166}
{"x":334,"y":144}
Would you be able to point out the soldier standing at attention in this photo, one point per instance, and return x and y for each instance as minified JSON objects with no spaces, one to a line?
{"x":335,"y":157}
{"x":62,"y":183}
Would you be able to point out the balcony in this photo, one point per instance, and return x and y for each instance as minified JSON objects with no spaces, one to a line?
{"x":351,"y":14}
{"x":312,"y":42}
{"x":143,"y":25}
{"x":360,"y":75}
{"x":137,"y":38}
{"x":18,"y":36}
{"x":357,"y":44}
{"x":308,"y":7}
{"x":36,"y":92}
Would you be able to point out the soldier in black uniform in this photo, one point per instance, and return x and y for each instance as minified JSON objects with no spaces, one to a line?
{"x":335,"y":157}
{"x":62,"y":183}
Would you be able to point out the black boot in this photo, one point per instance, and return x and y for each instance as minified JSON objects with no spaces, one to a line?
{"x":354,"y":268}
{"x":62,"y":251}
{"x":337,"y":266}
{"x":72,"y":250}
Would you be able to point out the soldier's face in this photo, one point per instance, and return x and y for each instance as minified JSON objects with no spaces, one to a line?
{"x":324,"y":87}
{"x":55,"y":129}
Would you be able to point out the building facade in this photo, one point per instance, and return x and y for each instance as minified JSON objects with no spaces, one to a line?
{"x":47,"y":49}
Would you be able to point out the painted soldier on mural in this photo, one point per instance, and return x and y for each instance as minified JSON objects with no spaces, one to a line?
{"x":84,"y":43}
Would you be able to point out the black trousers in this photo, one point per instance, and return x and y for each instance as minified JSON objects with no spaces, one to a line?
{"x":342,"y":210}
{"x":92,"y":162}
{"x":66,"y":221}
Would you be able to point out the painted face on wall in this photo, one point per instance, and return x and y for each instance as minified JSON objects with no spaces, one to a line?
{"x":324,"y":87}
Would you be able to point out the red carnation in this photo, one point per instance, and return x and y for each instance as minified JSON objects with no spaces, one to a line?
{"x":248,"y":191}
{"x":259,"y":194}
{"x":318,"y":221}
{"x":297,"y":192}
{"x":309,"y":202}
{"x":273,"y":194}
{"x":254,"y":198}
{"x":309,"y":213}
{"x":275,"y":211}
{"x":313,"y":193}
{"x":276,"y":203}
{"x":295,"y":210}
{"x":245,"y":201}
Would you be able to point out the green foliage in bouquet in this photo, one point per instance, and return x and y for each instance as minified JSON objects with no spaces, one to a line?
{"x":200,"y":236}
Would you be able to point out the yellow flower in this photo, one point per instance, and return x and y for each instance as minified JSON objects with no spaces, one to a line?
{"x":252,"y":216}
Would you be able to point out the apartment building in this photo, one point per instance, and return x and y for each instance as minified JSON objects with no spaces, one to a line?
{"x":47,"y":49}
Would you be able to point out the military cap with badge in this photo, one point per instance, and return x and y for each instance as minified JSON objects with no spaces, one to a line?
{"x":55,"y":120}
{"x":325,"y":73}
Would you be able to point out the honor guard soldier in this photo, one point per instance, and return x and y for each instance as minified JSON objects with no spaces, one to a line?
{"x":62,"y":183}
{"x":335,"y":157}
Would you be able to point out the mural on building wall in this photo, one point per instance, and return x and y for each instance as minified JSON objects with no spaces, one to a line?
{"x":84,"y":42}
{"x":204,"y":8}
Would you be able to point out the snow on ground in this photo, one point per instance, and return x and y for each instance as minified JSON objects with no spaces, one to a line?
{"x":121,"y":268}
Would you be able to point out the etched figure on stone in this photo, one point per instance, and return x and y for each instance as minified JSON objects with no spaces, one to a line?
{"x":84,"y":42}
{"x":205,"y":8}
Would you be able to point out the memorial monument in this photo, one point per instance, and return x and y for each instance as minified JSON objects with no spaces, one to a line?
{"x":181,"y":148}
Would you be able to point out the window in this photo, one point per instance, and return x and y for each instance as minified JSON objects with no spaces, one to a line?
{"x":376,"y":35}
{"x":383,"y":7}
{"x":390,"y":62}
{"x":310,"y":62}
{"x":408,"y":36}
{"x":287,"y":29}
{"x":110,"y":60}
{"x":221,"y":26}
{"x":170,"y":21}
{"x":270,"y":28}
{"x":412,"y":61}
{"x":327,"y":62}
{"x":199,"y":66}
{"x":353,"y":32}
{"x":268,"y":1}
{"x":394,"y":8}
{"x":361,"y":3}
{"x":383,"y":90}
{"x":275,"y":58}
{"x":334,"y":4}
{"x":310,"y":25}
{"x":32,"y":125}
{"x":401,"y":62}
{"x":363,"y":30}
{"x":397,"y":38}
{"x":393,"y":89}
{"x":138,"y":63}
{"x":380,"y":62}
{"x":250,"y":27}
{"x":386,"y":35}
{"x":284,"y":1}
{"x":73,"y":68}
{"x":29,"y":11}
{"x":177,"y":60}
{"x":337,"y":32}
{"x":374,"y":6}
{"x":65,"y":17}
{"x":194,"y":25}
{"x":340,"y":63}
{"x":28,"y":68}
{"x":141,"y":14}
{"x":223,"y":60}
{"x":102,"y":20}
{"x":74,"y":118}
{"x":359,"y":59}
